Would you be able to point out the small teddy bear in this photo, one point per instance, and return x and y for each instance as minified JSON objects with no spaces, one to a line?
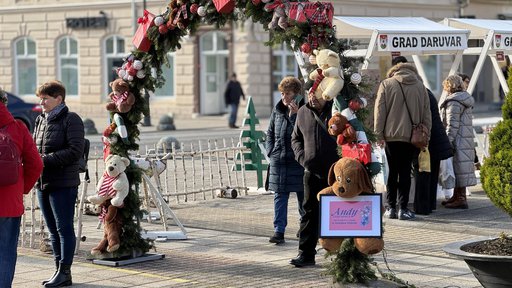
{"x":347,"y":179}
{"x":112,"y":227}
{"x":328,"y":77}
{"x":339,"y":126}
{"x":113,"y":184}
{"x":281,"y":10}
{"x":122,"y":98}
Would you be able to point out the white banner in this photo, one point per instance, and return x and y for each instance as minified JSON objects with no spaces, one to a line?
{"x":424,"y":42}
{"x":502,"y":41}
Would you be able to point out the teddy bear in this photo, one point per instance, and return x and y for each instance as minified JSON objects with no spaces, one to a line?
{"x":122,"y":98}
{"x":112,"y":227}
{"x":347,"y":179}
{"x":281,"y":9}
{"x":339,"y":126}
{"x":113,"y":184}
{"x":328,"y":77}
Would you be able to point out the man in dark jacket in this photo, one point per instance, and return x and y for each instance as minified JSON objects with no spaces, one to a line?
{"x":316,"y":151}
{"x":11,"y":194}
{"x":232,"y":98}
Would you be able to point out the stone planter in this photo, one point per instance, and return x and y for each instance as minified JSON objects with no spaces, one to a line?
{"x":490,"y":270}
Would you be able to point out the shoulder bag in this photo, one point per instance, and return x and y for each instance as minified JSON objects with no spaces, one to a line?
{"x":419,"y":133}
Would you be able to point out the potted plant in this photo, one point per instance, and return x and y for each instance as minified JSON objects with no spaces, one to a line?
{"x":491,"y":260}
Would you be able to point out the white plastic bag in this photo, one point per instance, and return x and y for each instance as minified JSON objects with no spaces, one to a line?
{"x":446,"y":174}
{"x":381,"y":179}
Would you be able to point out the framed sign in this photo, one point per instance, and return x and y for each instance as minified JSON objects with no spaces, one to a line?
{"x":350,"y":217}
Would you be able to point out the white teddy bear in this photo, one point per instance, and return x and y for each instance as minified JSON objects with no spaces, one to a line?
{"x":328,"y":76}
{"x":113,"y":183}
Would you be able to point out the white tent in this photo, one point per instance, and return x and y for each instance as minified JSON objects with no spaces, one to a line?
{"x":414,"y":36}
{"x":497,"y":37}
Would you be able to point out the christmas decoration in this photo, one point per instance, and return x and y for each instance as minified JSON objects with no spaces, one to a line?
{"x":311,"y":24}
{"x":201,"y":11}
{"x":121,"y":128}
{"x":159,"y":20}
{"x":121,"y":97}
{"x":306,"y":48}
{"x":224,"y":6}
{"x":320,"y":13}
{"x":140,"y":39}
{"x":355,"y":78}
{"x":331,"y":77}
{"x":280,"y":10}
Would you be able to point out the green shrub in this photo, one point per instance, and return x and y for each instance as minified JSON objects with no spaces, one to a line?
{"x":496,"y":173}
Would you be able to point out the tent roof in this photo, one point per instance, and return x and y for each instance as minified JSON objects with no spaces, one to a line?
{"x":363,"y":27}
{"x":480,"y":27}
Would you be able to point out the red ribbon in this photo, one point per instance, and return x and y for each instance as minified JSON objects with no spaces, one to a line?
{"x":318,"y":79}
{"x":143,"y":19}
{"x":119,"y":99}
{"x":182,"y":10}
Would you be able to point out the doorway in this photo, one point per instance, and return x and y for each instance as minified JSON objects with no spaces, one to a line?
{"x":214,"y":70}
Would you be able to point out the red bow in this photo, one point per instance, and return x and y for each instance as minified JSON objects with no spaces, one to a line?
{"x":143,"y":19}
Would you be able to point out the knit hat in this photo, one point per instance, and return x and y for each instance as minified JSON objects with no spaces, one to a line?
{"x":3,"y":96}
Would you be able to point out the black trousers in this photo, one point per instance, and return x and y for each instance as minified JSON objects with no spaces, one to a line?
{"x":308,"y":235}
{"x":400,"y":156}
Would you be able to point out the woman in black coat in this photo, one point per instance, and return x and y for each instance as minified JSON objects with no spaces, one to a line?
{"x":439,"y":147}
{"x":59,"y":137}
{"x":285,"y":174}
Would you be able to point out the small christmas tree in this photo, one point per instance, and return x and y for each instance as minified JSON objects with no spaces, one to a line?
{"x":497,"y":169}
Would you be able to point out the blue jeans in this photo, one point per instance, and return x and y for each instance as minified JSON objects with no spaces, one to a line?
{"x":233,"y":112}
{"x":281,"y":209}
{"x":58,"y":208}
{"x":9,"y":233}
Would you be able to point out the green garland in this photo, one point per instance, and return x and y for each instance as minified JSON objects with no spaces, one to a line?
{"x":349,"y":265}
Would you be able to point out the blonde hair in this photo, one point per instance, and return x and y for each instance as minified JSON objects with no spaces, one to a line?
{"x":453,"y":83}
{"x":290,"y":83}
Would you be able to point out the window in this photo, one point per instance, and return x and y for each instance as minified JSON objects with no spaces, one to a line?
{"x":283,"y":64}
{"x":67,"y":56}
{"x":25,"y":66}
{"x":167,"y":90}
{"x":432,"y":66}
{"x":114,"y":52}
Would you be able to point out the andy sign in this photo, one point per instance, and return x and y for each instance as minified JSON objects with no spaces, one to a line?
{"x":503,"y":41}
{"x":421,"y":42}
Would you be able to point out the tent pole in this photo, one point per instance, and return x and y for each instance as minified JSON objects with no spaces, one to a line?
{"x":480,"y":62}
{"x":421,"y":71}
{"x":371,"y":48}
{"x":501,"y":77}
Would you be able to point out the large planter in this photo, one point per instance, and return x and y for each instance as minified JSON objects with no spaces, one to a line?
{"x":490,"y":270}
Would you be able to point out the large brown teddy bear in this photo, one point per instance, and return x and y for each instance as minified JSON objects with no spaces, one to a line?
{"x":338,"y":126}
{"x":347,"y":179}
{"x":112,"y":227}
{"x":122,"y":98}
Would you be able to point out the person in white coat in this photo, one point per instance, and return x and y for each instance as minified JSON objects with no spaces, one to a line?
{"x":457,"y":116}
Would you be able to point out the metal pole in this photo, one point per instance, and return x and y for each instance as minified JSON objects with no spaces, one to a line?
{"x":147,"y":118}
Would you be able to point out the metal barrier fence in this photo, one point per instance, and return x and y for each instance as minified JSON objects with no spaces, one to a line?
{"x":201,"y":171}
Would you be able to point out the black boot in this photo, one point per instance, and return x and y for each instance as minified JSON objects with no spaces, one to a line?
{"x":278,"y":238}
{"x":54,"y":273}
{"x":62,"y":278}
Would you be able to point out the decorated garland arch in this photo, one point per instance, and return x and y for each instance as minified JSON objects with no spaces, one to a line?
{"x":303,"y":26}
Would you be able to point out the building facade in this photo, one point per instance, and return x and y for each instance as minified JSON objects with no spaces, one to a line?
{"x":80,"y":43}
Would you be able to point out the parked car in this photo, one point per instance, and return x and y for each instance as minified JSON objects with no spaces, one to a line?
{"x":21,"y":110}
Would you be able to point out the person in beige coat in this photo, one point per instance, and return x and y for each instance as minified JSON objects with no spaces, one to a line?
{"x":457,"y":116}
{"x":402,"y":101}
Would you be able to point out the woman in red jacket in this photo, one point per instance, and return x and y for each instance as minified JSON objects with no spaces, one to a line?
{"x":11,"y":195}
